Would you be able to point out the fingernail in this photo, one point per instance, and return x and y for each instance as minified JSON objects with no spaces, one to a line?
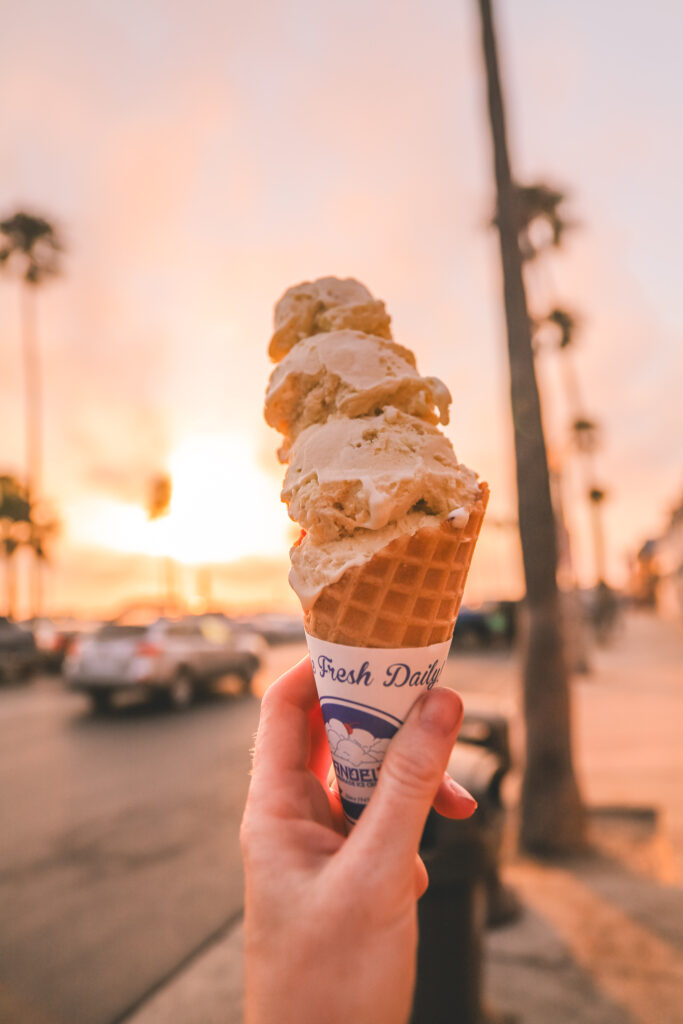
{"x":441,"y":711}
{"x":461,"y":791}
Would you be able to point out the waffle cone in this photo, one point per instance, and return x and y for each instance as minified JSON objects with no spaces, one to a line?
{"x":407,"y":595}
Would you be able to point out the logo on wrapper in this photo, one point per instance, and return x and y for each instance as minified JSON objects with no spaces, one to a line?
{"x":365,"y":695}
{"x":358,"y":738}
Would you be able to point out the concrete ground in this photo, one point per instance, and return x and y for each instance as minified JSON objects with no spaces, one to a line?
{"x":600,"y":937}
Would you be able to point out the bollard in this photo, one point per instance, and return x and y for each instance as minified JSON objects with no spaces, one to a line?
{"x":462,"y":860}
{"x":492,"y":731}
{"x":489,"y":730}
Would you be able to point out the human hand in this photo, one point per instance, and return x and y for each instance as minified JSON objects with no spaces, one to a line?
{"x":330,"y":919}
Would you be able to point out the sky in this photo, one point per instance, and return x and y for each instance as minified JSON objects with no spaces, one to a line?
{"x":200,"y":158}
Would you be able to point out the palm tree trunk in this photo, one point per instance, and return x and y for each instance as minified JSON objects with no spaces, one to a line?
{"x":33,"y":425}
{"x":576,"y":408}
{"x":598,"y":541}
{"x":11,"y":586}
{"x":552,"y":817}
{"x":33,"y":402}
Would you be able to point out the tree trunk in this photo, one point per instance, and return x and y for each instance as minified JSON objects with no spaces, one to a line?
{"x":11,"y":586}
{"x":598,"y":541}
{"x":33,"y":434}
{"x":552,"y":816}
{"x":32,"y":391}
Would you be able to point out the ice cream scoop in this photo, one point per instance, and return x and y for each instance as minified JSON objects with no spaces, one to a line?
{"x":368,"y":471}
{"x":328,"y":304}
{"x":347,"y":374}
{"x":368,"y":464}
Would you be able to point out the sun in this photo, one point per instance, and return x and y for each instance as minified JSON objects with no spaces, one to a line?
{"x":223,"y":507}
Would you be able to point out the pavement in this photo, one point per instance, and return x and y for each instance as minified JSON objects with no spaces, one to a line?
{"x":599,"y":939}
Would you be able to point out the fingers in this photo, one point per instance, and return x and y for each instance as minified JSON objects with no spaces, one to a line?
{"x":421,"y":877}
{"x":283,"y":738}
{"x":319,"y":756}
{"x":452,"y":800}
{"x":411,"y":776}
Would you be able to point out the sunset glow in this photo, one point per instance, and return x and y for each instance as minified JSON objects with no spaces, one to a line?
{"x":223,"y":508}
{"x":236,"y":157}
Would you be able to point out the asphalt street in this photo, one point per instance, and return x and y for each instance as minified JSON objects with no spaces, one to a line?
{"x":119,"y":850}
{"x":119,"y":853}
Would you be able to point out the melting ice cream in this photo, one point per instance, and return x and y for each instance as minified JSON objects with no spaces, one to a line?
{"x":367,"y":461}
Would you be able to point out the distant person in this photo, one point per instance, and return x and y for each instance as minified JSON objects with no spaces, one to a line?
{"x":330,"y":919}
{"x":605,"y":612}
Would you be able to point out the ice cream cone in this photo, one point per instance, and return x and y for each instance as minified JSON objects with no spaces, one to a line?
{"x":407,"y":595}
{"x":389,"y":516}
{"x":379,"y":636}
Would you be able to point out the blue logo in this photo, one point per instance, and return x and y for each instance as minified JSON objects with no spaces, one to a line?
{"x":358,"y":738}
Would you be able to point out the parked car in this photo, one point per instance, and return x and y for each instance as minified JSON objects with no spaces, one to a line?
{"x":53,"y":639}
{"x":19,"y":657}
{"x":277,"y":627}
{"x":491,"y":625}
{"x":172,"y":660}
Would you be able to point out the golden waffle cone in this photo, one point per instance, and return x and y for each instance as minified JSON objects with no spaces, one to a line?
{"x":407,"y":595}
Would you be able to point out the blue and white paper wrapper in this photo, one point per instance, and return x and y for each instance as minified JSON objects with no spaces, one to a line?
{"x":365,"y":696}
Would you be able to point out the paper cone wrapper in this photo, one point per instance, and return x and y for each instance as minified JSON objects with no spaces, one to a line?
{"x":365,"y":696}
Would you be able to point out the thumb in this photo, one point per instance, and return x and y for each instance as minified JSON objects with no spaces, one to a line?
{"x":410,"y":777}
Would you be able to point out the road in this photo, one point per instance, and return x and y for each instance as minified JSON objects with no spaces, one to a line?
{"x":119,"y":848}
{"x":118,"y":836}
{"x":119,"y":854}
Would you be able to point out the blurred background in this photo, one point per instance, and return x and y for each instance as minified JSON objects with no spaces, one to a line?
{"x":168,"y":170}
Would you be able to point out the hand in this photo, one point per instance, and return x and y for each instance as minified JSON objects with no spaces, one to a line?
{"x":330,"y":919}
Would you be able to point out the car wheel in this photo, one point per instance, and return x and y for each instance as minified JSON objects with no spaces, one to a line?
{"x":180,"y":693}
{"x":100,"y":701}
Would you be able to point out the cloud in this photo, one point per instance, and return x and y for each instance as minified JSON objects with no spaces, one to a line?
{"x":357,"y":747}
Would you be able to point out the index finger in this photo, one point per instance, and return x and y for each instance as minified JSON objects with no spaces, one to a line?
{"x":283,"y":737}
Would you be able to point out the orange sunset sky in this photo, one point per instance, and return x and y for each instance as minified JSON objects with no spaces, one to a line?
{"x":199,"y":158}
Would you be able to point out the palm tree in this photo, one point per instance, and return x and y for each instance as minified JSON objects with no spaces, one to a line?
{"x":15,"y":518}
{"x":552,"y":814}
{"x":563,"y":326}
{"x":31,"y":244}
{"x":587,"y":439}
{"x":596,"y":497}
{"x":43,"y":529}
{"x":542,"y":219}
{"x":585,"y":435}
{"x":585,"y":431}
{"x":159,"y":505}
{"x":22,"y":525}
{"x":565,"y":323}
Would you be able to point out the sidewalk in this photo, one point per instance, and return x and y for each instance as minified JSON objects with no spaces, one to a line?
{"x":600,"y":940}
